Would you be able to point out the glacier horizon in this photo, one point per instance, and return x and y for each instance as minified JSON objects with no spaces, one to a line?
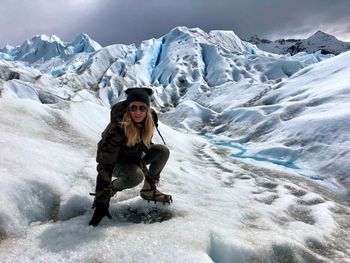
{"x":181,"y":65}
{"x":268,"y":132}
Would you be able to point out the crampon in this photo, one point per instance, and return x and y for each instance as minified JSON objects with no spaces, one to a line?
{"x":155,"y":196}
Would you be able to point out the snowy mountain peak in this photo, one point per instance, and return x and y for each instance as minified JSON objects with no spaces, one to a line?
{"x":181,"y":32}
{"x":40,"y":40}
{"x":326,"y":43}
{"x":46,"y":38}
{"x":224,"y":39}
{"x":8,"y":47}
{"x":42,"y":48}
{"x":83,"y":43}
{"x":38,"y":48}
{"x":256,"y":40}
{"x":319,"y":41}
{"x":321,"y":36}
{"x":82,"y":35}
{"x":37,"y":42}
{"x":228,"y":40}
{"x":321,"y":33}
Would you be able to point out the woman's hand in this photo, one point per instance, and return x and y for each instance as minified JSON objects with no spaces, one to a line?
{"x":100,"y":212}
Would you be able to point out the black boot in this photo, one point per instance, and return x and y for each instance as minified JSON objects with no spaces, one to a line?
{"x":149,"y":192}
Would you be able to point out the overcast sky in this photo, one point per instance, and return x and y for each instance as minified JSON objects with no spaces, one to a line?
{"x":131,"y":21}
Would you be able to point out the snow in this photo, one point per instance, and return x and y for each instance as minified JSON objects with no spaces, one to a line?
{"x":51,"y":205}
{"x":5,"y":56}
{"x":63,"y":239}
{"x":269,"y":120}
{"x":42,"y":48}
{"x":258,"y":154}
{"x":83,"y":43}
{"x":318,"y":42}
{"x":230,"y":41}
{"x":21,"y":90}
{"x":189,"y":115}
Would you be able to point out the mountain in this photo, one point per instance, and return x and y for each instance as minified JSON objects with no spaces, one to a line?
{"x":278,"y":46}
{"x":328,"y":44}
{"x":319,"y":41}
{"x":259,"y":147}
{"x":83,"y":43}
{"x":185,"y":67}
{"x":180,"y":59}
{"x":42,"y":48}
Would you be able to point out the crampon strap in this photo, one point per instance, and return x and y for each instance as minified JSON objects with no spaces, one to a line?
{"x":151,"y":182}
{"x":160,"y":136}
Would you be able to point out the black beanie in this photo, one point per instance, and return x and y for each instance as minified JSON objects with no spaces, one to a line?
{"x":138,"y":94}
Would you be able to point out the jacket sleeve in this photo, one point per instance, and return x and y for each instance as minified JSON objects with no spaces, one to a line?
{"x":108,"y":150}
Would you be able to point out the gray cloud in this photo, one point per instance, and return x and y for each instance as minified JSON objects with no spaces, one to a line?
{"x":131,"y":21}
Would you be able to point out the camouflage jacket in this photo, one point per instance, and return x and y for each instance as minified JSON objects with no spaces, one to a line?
{"x":111,"y":149}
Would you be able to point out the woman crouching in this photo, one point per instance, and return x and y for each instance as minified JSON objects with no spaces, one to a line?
{"x":124,"y":151}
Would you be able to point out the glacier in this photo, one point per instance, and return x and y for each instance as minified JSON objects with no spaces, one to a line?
{"x":259,"y":151}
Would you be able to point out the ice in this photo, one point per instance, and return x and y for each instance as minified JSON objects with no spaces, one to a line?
{"x":230,"y":41}
{"x":258,"y":154}
{"x":42,"y":48}
{"x":83,"y":43}
{"x":19,"y":89}
{"x":209,"y":206}
{"x":283,"y":68}
{"x":5,"y":56}
{"x":319,"y":42}
{"x":188,"y":115}
{"x":216,"y":67}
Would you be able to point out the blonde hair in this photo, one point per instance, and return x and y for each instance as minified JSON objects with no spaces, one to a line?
{"x":136,"y":134}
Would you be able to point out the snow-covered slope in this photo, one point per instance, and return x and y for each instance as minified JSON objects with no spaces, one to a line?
{"x":326,"y":43}
{"x":259,"y":153}
{"x":301,"y":122}
{"x":203,"y":82}
{"x":224,"y":210}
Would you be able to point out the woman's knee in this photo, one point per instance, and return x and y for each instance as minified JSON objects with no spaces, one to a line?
{"x":129,"y":176}
{"x":161,"y":150}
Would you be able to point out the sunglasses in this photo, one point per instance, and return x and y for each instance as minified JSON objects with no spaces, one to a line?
{"x":134,"y":108}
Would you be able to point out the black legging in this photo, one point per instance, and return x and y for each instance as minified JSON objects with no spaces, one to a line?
{"x":129,"y":175}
